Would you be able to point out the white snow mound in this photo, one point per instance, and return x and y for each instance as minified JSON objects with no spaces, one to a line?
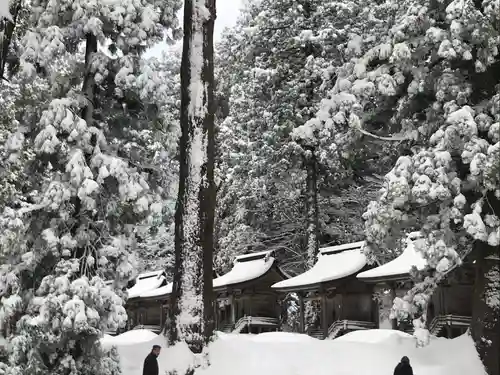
{"x":294,"y":354}
{"x":135,"y":336}
{"x":376,"y":336}
{"x":133,"y":347}
{"x":284,"y":337}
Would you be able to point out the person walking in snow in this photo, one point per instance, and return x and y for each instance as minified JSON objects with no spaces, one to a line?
{"x":151,"y":362}
{"x":403,"y":367}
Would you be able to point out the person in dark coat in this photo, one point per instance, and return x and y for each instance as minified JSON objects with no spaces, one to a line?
{"x":403,"y":367}
{"x":151,"y":362}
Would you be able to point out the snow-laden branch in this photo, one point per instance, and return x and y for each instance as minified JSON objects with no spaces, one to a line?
{"x":31,"y":208}
{"x":382,"y":138}
{"x":355,"y":123}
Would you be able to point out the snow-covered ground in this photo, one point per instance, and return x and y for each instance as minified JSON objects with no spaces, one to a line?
{"x":135,"y":336}
{"x":373,"y":352}
{"x":377,"y":336}
{"x":133,"y":346}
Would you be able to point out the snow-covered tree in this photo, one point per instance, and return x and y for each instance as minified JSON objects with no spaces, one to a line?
{"x":430,"y":74}
{"x":192,"y":313}
{"x":285,"y":183}
{"x":275,"y":66}
{"x":149,"y":142}
{"x":9,"y":14}
{"x":72,"y":221}
{"x":156,"y":250}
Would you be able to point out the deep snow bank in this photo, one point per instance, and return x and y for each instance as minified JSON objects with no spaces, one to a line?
{"x":134,"y":336}
{"x":292,"y":354}
{"x":133,"y":347}
{"x":377,"y":336}
{"x":235,"y":355}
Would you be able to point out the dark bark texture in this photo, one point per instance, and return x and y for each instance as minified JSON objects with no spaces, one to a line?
{"x":206,"y":193}
{"x":311,"y":166}
{"x":5,"y":42}
{"x":88,"y":87}
{"x":209,"y":189}
{"x":485,"y":326}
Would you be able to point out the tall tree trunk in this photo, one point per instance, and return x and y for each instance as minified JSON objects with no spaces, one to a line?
{"x":486,"y":308}
{"x":88,"y":91}
{"x":88,"y":87}
{"x":8,"y":32}
{"x":191,"y":317}
{"x":312,"y":205}
{"x":209,"y":190}
{"x":311,"y":312}
{"x":485,"y":327}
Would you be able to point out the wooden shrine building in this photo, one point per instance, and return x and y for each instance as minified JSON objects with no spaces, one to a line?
{"x":449,"y":311}
{"x":345,"y":304}
{"x":245,"y":301}
{"x":148,"y":300}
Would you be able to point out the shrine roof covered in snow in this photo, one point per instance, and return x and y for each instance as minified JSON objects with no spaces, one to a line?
{"x":148,"y":283}
{"x":249,"y":268}
{"x":399,"y":268}
{"x":161,"y":292}
{"x":334,"y":263}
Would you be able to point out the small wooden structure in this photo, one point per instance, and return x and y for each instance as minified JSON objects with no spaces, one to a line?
{"x":245,"y":301}
{"x":345,"y":304}
{"x":392,"y":280}
{"x":449,"y":310}
{"x":148,"y":300}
